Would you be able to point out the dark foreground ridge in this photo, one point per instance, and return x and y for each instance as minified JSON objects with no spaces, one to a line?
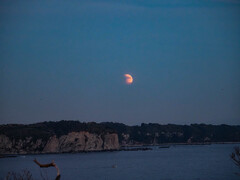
{"x":74,"y":136}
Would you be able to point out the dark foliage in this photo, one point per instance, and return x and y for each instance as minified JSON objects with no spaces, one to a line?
{"x":45,"y":130}
{"x":145,"y":134}
{"x":24,"y":175}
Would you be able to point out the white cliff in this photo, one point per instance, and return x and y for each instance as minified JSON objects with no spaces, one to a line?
{"x":72,"y":142}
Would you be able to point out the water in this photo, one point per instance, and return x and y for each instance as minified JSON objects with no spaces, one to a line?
{"x":196,"y":162}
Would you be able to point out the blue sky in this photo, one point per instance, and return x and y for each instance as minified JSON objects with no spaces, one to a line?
{"x":67,"y":60}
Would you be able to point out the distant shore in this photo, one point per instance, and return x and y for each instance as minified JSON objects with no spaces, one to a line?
{"x":171,"y":144}
{"x":75,"y":137}
{"x":143,"y":147}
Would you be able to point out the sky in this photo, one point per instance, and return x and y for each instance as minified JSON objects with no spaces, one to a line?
{"x":66,"y":60}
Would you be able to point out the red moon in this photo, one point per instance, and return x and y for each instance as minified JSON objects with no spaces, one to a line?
{"x":129,"y":78}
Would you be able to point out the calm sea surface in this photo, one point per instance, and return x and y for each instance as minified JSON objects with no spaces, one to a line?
{"x":180,"y":162}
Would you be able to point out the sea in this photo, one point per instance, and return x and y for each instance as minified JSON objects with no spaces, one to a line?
{"x":178,"y":162}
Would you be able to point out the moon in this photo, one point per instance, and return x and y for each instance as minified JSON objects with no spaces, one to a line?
{"x":129,"y":79}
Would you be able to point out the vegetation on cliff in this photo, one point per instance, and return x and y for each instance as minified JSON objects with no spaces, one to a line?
{"x":45,"y":130}
{"x":143,"y":134}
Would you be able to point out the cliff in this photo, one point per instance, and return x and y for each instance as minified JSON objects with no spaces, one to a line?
{"x":72,"y":142}
{"x":75,"y":136}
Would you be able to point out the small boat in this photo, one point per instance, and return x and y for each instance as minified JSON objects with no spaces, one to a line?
{"x":114,"y":166}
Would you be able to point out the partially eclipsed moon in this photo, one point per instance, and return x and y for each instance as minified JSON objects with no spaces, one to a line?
{"x":129,"y":78}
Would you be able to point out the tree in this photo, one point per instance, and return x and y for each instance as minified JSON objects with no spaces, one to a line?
{"x":52,"y":164}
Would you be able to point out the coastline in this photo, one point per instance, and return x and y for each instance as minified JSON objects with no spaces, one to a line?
{"x":143,"y":147}
{"x":172,"y":144}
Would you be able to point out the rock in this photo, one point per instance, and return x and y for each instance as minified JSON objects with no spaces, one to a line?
{"x":82,"y":141}
{"x":5,"y":144}
{"x":111,"y":142}
{"x":38,"y":144}
{"x":52,"y":145}
{"x":72,"y":142}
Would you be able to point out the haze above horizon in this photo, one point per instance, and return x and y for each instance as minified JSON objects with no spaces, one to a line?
{"x":67,"y":60}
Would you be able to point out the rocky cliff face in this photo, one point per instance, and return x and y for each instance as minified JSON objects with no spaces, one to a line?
{"x":72,"y":142}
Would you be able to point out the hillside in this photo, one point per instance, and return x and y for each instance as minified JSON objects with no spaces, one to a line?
{"x":144,"y":134}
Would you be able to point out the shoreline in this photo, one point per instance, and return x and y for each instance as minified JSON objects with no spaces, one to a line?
{"x":187,"y":144}
{"x":143,"y":147}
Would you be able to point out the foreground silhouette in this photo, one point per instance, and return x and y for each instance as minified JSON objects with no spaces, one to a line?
{"x":236,"y":157}
{"x":52,"y":164}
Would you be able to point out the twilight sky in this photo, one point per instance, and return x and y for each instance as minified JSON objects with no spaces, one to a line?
{"x":67,"y":60}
